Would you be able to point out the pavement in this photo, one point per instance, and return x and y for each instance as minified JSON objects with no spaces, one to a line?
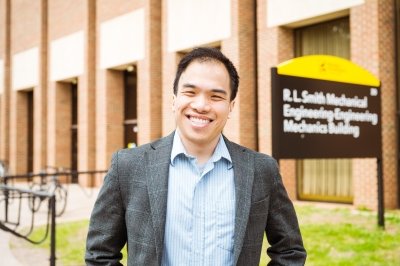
{"x":79,"y":206}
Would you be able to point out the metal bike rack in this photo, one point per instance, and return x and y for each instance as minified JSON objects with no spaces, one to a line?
{"x":8,"y":193}
{"x":51,"y":217}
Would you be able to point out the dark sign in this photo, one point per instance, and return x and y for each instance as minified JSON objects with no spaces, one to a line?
{"x":314,"y":118}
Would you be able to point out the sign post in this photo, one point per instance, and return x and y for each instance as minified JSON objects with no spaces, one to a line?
{"x":327,"y":107}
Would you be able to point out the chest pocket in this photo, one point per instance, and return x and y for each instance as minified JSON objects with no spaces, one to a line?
{"x":225,"y":224}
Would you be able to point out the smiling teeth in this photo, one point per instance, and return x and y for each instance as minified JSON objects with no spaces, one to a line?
{"x":199,"y":120}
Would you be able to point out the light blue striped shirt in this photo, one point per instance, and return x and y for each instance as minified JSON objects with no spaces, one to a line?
{"x":200,"y":221}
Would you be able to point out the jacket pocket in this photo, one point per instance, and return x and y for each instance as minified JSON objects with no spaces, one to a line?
{"x":257,"y":222}
{"x":259,"y":207}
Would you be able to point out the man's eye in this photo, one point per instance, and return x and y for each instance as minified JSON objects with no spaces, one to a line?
{"x":217,"y":97}
{"x":189,"y":93}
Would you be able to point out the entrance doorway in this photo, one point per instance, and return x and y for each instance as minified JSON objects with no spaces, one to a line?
{"x":130,"y":108}
{"x":29,"y":129}
{"x":74,"y":130}
{"x":21,"y":157}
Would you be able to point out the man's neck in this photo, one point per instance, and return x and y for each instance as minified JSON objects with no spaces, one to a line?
{"x":202,"y":151}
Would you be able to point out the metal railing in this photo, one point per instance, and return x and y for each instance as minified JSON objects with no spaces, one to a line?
{"x":18,"y":194}
{"x":42,"y":187}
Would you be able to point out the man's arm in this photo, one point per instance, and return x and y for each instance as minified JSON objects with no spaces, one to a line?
{"x":282,"y":229}
{"x":107,"y":230}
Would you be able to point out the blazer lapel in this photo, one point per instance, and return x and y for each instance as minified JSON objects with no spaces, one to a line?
{"x":158,"y":160}
{"x":243,"y":169}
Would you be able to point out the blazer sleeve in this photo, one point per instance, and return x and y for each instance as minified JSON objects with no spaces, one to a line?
{"x":107,"y":231}
{"x":282,"y":230}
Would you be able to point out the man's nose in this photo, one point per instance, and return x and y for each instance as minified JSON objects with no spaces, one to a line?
{"x":200,"y":104}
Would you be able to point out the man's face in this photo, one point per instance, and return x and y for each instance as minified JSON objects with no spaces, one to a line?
{"x":202,"y":104}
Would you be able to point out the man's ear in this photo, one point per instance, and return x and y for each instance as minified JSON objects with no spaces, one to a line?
{"x":173,"y":102}
{"x":231,"y":105}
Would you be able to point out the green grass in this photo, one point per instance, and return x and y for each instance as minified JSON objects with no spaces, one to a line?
{"x":332,"y":236}
{"x":70,"y":239}
{"x":343,"y":236}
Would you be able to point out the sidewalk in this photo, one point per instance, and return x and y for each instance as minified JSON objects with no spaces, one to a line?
{"x":79,"y":206}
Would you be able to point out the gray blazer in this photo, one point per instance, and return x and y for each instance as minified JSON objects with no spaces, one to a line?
{"x":132,"y":203}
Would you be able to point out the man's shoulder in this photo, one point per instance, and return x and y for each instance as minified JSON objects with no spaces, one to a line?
{"x":160,"y":143}
{"x":237,"y":147}
{"x":259,"y":157}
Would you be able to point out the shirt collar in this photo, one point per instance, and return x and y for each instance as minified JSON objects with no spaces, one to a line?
{"x":221,"y":151}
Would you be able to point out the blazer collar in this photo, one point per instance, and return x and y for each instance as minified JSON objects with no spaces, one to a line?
{"x":243,"y":169}
{"x":157,"y":161}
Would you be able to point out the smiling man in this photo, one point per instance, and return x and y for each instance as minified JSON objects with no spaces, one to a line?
{"x":194,"y":197}
{"x":202,"y":105}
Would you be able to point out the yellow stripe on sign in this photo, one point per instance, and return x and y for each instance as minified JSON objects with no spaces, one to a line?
{"x":326,"y":67}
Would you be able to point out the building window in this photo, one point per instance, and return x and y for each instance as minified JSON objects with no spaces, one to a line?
{"x":329,"y":38}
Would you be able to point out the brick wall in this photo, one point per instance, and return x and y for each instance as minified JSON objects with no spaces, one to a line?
{"x":169,"y":63}
{"x":109,"y":116}
{"x":275,"y":45}
{"x":110,"y":85}
{"x":372,"y":47}
{"x":25,"y":24}
{"x":2,"y":27}
{"x":107,"y":9}
{"x":241,"y":127}
{"x":149,"y":77}
{"x":59,"y":124}
{"x":28,"y":30}
{"x":18,"y":132}
{"x":87,"y":97}
{"x":65,"y":17}
{"x":40,"y":95}
{"x":100,"y":91}
{"x":365,"y":193}
{"x":5,"y":97}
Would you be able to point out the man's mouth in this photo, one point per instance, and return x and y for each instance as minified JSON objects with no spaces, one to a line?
{"x":198,"y":121}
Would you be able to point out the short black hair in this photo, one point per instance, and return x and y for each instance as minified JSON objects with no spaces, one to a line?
{"x":203,"y":54}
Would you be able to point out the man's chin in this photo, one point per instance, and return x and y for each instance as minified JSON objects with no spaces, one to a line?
{"x":200,"y":139}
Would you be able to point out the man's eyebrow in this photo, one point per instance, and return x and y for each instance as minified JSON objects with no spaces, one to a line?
{"x":216,"y":90}
{"x":188,"y":85}
{"x":219,"y":91}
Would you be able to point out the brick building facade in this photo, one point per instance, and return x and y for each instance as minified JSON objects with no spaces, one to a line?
{"x":66,"y":68}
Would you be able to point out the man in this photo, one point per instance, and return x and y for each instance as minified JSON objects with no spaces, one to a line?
{"x":194,"y":197}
